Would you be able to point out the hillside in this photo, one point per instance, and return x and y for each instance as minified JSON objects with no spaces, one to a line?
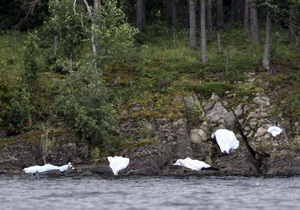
{"x":147,"y":90}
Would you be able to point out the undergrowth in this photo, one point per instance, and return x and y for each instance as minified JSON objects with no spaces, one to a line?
{"x":161,"y":69}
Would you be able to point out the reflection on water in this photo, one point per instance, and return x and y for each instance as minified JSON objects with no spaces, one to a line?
{"x":150,"y":193}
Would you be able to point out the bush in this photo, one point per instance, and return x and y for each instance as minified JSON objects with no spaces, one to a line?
{"x":19,"y":112}
{"x":83,"y":103}
{"x":206,"y":89}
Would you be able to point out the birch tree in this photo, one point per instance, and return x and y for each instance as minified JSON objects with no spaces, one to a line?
{"x":266,"y":58}
{"x":83,"y":99}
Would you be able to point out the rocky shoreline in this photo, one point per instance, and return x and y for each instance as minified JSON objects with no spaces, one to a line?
{"x":169,"y":139}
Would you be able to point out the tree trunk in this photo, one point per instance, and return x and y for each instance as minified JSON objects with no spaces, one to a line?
{"x":56,"y":43}
{"x":93,"y":38}
{"x":209,"y":18}
{"x":140,"y":15}
{"x":96,"y":5}
{"x":203,"y":32}
{"x":94,"y":42}
{"x":56,"y":37}
{"x":174,"y":14}
{"x":126,"y":8}
{"x":220,"y":24}
{"x":97,"y":16}
{"x":254,"y":24}
{"x":169,"y":11}
{"x":192,"y":24}
{"x":237,"y":10}
{"x":246,"y":18}
{"x":219,"y":49}
{"x":293,"y":22}
{"x":220,"y":15}
{"x":266,"y":59}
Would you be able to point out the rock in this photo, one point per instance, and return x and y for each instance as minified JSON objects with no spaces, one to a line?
{"x":198,"y":135}
{"x":186,"y":136}
{"x":2,"y":134}
{"x":217,"y":113}
{"x":284,"y":163}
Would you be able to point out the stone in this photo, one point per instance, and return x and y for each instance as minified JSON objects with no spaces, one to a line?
{"x":198,"y":136}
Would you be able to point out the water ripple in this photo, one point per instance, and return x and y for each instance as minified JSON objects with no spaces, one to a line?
{"x":151,"y":193}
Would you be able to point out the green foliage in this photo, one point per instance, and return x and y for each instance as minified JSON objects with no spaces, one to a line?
{"x":207,"y":88}
{"x":46,"y":142}
{"x":243,"y":92}
{"x":195,"y":115}
{"x":22,"y":14}
{"x":68,"y":25}
{"x":59,"y":65}
{"x":11,"y":47}
{"x":83,"y":102}
{"x":154,"y":33}
{"x":161,"y":70}
{"x":208,"y":158}
{"x":295,"y":144}
{"x":290,"y":107}
{"x":75,"y":28}
{"x":114,"y":35}
{"x":30,"y":56}
{"x":18,"y":113}
{"x":96,"y":154}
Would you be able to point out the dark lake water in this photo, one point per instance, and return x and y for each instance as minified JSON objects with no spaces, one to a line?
{"x":234,"y":193}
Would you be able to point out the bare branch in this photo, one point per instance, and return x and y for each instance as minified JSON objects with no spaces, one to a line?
{"x":30,"y":7}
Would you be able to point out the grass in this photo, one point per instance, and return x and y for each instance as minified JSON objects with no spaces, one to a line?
{"x":163,"y":69}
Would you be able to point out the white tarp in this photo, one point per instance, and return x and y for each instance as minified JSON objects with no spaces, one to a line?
{"x":47,"y":167}
{"x":274,"y":130}
{"x":226,"y":140}
{"x":191,"y":164}
{"x":117,"y":163}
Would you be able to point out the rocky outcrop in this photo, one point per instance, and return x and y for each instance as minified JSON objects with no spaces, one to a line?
{"x":187,"y":135}
{"x":25,"y":150}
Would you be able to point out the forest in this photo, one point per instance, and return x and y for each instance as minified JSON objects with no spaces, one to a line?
{"x":71,"y":64}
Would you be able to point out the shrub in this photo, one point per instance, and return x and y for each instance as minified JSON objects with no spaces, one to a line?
{"x":19,"y":112}
{"x":207,"y":88}
{"x":83,"y":102}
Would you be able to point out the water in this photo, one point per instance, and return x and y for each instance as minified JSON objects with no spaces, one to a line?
{"x":150,"y":193}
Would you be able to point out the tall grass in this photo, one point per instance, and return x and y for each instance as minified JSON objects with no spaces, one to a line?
{"x":11,"y":50}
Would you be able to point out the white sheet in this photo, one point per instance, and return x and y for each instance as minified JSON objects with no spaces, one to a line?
{"x":274,"y":130}
{"x":117,"y":163}
{"x":191,"y":164}
{"x":226,"y":140}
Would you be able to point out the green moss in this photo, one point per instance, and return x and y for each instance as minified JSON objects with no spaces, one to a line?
{"x":27,"y":138}
{"x":207,"y":88}
{"x":154,"y":77}
{"x":295,"y":144}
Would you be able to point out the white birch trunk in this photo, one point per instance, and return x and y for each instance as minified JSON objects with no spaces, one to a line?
{"x":266,"y":59}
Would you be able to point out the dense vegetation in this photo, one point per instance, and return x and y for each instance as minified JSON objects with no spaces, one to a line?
{"x":45,"y":84}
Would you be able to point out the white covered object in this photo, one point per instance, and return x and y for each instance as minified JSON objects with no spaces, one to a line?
{"x":226,"y":140}
{"x":47,"y":167}
{"x":196,"y":165}
{"x":117,"y":163}
{"x":274,"y":130}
